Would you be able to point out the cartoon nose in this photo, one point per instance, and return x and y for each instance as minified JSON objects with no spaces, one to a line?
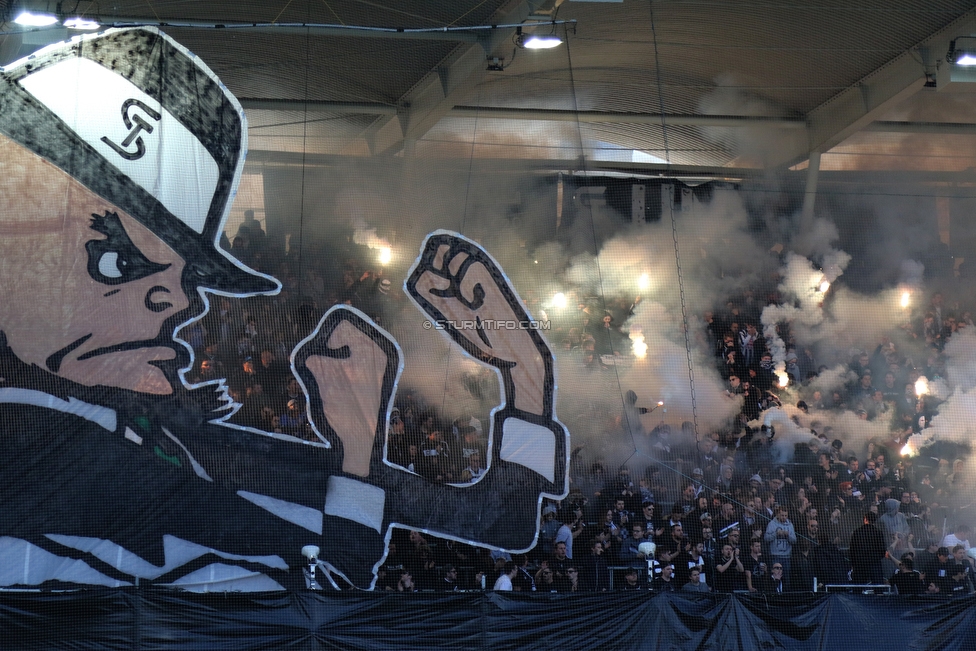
{"x":153,"y":302}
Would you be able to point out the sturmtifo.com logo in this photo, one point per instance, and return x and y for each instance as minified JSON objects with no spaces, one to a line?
{"x":487,"y":324}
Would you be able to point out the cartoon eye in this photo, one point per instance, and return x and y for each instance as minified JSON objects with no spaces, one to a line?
{"x":115,"y":259}
{"x":108,"y":265}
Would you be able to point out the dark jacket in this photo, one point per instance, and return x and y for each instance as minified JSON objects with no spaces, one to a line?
{"x":595,"y":573}
{"x":867,"y":551}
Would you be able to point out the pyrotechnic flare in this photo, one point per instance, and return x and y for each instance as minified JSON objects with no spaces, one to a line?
{"x":638,"y":346}
{"x":921,"y":386}
{"x":912,"y":445}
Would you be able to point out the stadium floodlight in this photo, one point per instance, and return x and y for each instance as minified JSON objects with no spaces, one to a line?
{"x":35,"y":19}
{"x":962,"y":51}
{"x":81,"y":24}
{"x":534,"y":42}
{"x":537,"y":41}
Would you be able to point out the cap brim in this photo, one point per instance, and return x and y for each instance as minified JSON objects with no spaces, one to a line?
{"x":210,"y":269}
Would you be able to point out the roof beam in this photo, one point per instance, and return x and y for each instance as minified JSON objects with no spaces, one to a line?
{"x":316,"y":106}
{"x":451,"y":34}
{"x":596,"y":168}
{"x":440,"y":89}
{"x":599,"y":117}
{"x":862,"y":103}
{"x":616,"y":117}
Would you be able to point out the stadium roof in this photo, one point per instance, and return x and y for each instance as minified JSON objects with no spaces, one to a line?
{"x":701,"y":86}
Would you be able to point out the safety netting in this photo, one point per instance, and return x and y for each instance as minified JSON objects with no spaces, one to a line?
{"x":376,"y":300}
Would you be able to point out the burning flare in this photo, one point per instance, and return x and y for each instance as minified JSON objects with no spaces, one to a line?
{"x":921,"y":386}
{"x":638,"y":346}
{"x":910,"y":449}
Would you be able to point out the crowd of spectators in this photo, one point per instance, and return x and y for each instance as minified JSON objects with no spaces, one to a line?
{"x":711,"y":512}
{"x":731,"y":508}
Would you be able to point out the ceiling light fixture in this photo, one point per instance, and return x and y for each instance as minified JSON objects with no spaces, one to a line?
{"x":541,"y":42}
{"x":29,"y":19}
{"x":962,"y":51}
{"x":82,"y":24}
{"x":537,"y":41}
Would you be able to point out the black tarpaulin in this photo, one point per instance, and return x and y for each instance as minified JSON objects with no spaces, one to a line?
{"x":131,"y":619}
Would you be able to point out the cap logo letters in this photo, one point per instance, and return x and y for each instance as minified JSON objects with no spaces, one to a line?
{"x":135,"y":123}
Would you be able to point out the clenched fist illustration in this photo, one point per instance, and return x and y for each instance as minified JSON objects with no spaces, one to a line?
{"x":350,"y":368}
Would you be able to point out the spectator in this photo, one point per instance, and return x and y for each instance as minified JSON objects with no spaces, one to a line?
{"x":733,"y":537}
{"x":726,"y":516}
{"x":449,"y":582}
{"x":406,"y":584}
{"x":665,"y":582}
{"x":631,"y":580}
{"x":547,"y":531}
{"x":960,"y":558}
{"x":958,"y":585}
{"x":776,"y":583}
{"x":474,"y":471}
{"x":673,"y":544}
{"x":960,"y":536}
{"x":906,"y":580}
{"x":755,"y":567}
{"x":689,"y":557}
{"x":504,"y":581}
{"x":781,"y":536}
{"x":655,"y":526}
{"x":523,"y":581}
{"x":630,"y":553}
{"x":595,"y":571}
{"x":560,"y":560}
{"x":867,"y":551}
{"x":893,"y":522}
{"x":804,"y":568}
{"x":545,"y":581}
{"x":940,"y":570}
{"x":927,"y":556}
{"x":729,"y":572}
{"x":695,"y":582}
{"x":899,"y":546}
{"x":566,"y":534}
{"x":571,"y":581}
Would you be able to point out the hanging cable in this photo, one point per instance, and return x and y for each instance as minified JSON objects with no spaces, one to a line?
{"x":596,"y":249}
{"x":301,"y":221}
{"x":674,"y":236}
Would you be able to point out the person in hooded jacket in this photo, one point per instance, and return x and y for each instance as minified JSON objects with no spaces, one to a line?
{"x":893,"y":521}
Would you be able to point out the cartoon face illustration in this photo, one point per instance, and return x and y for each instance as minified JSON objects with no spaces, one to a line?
{"x":108,"y":230}
{"x":87,"y":288}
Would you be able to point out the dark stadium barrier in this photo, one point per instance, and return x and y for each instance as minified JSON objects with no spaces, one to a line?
{"x":146,"y":619}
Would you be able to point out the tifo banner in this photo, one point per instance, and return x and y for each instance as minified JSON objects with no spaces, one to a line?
{"x":120,"y":155}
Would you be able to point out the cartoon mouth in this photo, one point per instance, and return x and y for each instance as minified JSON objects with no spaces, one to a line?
{"x":54,"y":362}
{"x":119,"y":348}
